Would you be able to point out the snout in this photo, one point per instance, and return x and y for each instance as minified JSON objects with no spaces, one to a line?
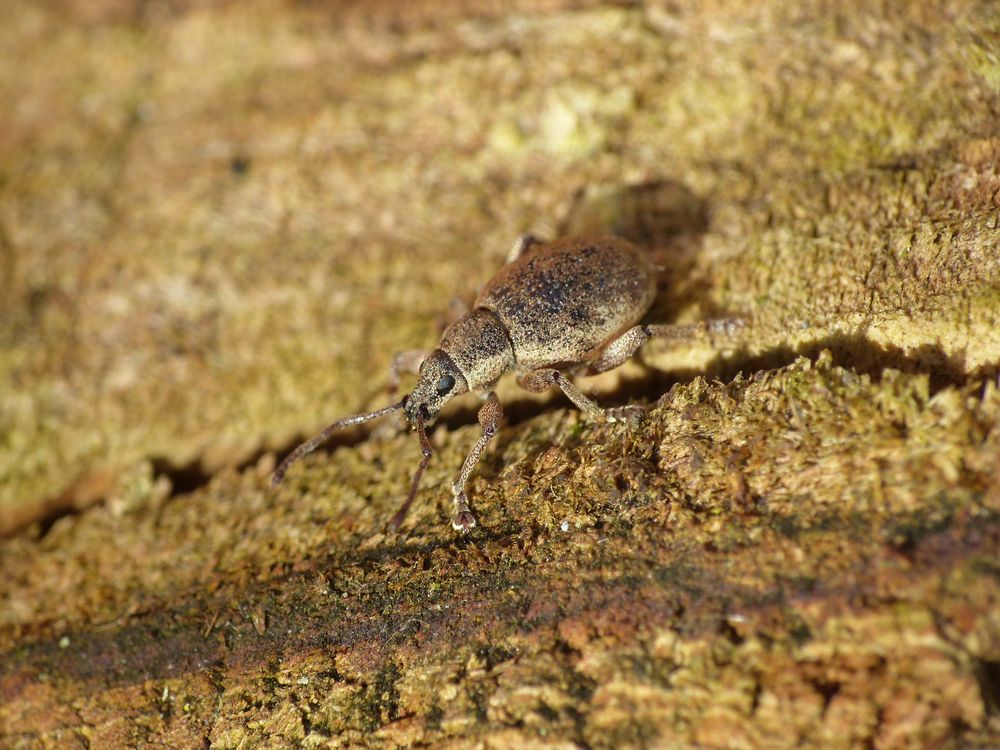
{"x":413,"y":408}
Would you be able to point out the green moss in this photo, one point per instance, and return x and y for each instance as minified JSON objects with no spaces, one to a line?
{"x":981,"y":46}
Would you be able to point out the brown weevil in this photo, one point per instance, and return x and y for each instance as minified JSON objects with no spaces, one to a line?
{"x":554,"y":309}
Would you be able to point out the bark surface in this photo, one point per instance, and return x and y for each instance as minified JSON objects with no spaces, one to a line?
{"x":219,"y":222}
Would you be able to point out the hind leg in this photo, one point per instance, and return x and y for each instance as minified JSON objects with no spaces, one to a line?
{"x":622,"y":348}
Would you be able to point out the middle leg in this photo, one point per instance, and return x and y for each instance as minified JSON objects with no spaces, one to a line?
{"x":538,"y":381}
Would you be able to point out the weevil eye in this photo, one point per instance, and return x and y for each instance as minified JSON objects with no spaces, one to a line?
{"x":445,"y":384}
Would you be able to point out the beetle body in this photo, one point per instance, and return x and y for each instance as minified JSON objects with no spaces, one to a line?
{"x":570,"y":305}
{"x":554,"y":305}
{"x":562,"y":302}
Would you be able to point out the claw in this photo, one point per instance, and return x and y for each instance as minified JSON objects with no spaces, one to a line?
{"x":463,"y":521}
{"x":632,"y":413}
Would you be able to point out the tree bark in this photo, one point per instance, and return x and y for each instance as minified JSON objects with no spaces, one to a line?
{"x":221,"y":222}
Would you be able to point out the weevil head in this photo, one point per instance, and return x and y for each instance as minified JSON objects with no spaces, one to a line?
{"x":439,"y":380}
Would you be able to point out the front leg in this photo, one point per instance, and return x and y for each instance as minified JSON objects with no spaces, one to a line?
{"x":406,"y":361}
{"x":538,"y":381}
{"x":521,"y":245}
{"x":489,"y":419}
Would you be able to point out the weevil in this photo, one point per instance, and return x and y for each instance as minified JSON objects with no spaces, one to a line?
{"x":554,"y":310}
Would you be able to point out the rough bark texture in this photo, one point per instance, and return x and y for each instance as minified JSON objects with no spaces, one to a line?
{"x":219,"y":221}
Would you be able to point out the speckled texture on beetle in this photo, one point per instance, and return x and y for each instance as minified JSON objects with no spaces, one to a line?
{"x":554,"y":309}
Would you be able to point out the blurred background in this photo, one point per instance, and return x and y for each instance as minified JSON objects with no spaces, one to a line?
{"x":220,"y":220}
